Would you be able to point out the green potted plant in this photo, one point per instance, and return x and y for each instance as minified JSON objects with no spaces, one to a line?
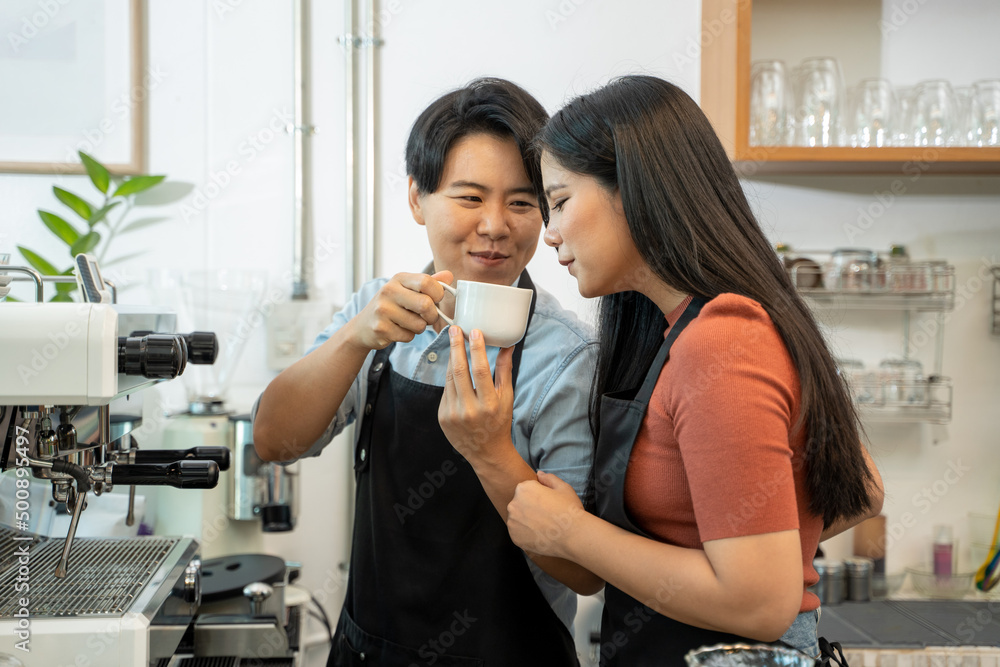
{"x":101,"y":223}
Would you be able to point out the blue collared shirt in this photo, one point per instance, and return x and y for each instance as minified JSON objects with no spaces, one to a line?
{"x":551,"y":430}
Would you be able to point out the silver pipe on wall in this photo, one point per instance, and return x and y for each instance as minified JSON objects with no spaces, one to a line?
{"x":362,"y":48}
{"x":302,"y":132}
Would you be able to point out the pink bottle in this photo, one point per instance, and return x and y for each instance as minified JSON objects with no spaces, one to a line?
{"x":943,"y":552}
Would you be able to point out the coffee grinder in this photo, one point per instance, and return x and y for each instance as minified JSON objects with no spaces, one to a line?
{"x":254,"y":496}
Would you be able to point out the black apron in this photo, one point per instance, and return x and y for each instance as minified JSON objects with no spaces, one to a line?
{"x":632,"y":634}
{"x":434,"y":577}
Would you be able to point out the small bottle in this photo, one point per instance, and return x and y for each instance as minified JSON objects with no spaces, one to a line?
{"x":943,"y":550}
{"x":899,"y":275}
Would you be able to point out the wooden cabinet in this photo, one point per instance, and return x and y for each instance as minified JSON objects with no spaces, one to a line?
{"x":726,"y":54}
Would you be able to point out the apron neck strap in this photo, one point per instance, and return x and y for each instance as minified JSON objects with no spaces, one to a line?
{"x":523,"y":283}
{"x":663,"y":353}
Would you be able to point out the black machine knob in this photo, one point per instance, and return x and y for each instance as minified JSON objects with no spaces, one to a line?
{"x":179,"y":474}
{"x":154,"y":356}
{"x":203,"y":347}
{"x":218,"y":454}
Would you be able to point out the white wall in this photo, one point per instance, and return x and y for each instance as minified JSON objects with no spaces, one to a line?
{"x":227,"y":69}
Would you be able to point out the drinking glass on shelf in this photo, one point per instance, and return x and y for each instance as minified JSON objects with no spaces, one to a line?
{"x":869,"y":120}
{"x":904,"y":105}
{"x":934,"y":115}
{"x":963,"y":105}
{"x":819,"y":93}
{"x":768,"y":103}
{"x":850,"y":270}
{"x":903,"y":382}
{"x":984,"y":113}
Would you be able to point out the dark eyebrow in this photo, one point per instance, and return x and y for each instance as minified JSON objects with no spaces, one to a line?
{"x":527,"y":189}
{"x":548,"y":190}
{"x":468,"y":184}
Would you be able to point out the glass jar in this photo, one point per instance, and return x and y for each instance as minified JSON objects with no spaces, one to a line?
{"x":903,"y":382}
{"x":862,"y":383}
{"x":850,"y":270}
{"x":804,"y":272}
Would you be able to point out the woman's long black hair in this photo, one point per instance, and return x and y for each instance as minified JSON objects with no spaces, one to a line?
{"x":692,"y":224}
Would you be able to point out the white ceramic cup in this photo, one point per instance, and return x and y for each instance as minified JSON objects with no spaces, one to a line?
{"x":499,"y":311}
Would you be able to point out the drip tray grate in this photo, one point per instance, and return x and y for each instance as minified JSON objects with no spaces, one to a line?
{"x":104,"y":576}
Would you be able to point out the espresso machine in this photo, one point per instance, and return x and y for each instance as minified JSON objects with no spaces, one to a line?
{"x":115,"y":602}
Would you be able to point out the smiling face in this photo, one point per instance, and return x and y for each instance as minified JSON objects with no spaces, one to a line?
{"x":483,"y":220}
{"x":588,"y":229}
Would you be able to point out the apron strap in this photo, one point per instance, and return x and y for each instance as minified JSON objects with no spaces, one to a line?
{"x":523,"y":283}
{"x":691,"y":312}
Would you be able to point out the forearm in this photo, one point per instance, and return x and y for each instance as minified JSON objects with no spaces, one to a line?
{"x":683,"y":583}
{"x":500,"y":476}
{"x":298,"y":405}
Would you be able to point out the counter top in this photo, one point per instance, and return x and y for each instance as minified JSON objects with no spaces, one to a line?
{"x":912,"y":624}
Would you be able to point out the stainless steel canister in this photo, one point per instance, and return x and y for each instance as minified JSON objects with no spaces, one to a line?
{"x":830,"y":588}
{"x":859,"y":578}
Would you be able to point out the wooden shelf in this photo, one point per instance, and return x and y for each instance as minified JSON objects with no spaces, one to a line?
{"x":725,"y":99}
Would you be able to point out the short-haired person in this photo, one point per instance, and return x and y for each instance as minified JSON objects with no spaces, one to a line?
{"x":727,"y":444}
{"x":434,"y":576}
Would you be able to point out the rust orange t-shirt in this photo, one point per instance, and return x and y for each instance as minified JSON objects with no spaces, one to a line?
{"x":715,"y":456}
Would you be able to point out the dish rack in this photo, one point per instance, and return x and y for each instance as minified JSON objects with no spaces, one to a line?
{"x":886,"y":284}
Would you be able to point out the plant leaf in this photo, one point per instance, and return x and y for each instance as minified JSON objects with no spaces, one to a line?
{"x":40,"y":264}
{"x":123,"y":258}
{"x":59,"y":227}
{"x":79,"y":206}
{"x":169,"y":192}
{"x":10,"y":298}
{"x":67,"y":288}
{"x":101,"y":213}
{"x":99,"y":175}
{"x":85,"y":243}
{"x":137,"y":184}
{"x":140,"y":223}
{"x":62,"y":297}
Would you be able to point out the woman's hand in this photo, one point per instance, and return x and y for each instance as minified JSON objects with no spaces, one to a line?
{"x":543,"y":515}
{"x":476,"y":412}
{"x":403,"y":308}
